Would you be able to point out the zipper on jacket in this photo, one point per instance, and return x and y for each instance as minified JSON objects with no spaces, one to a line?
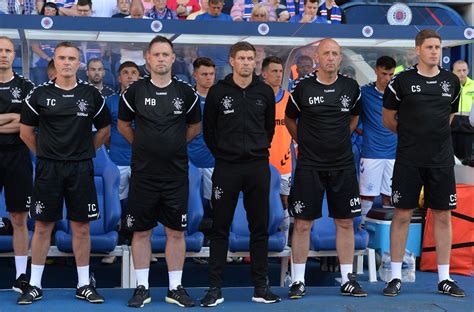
{"x":244,"y":110}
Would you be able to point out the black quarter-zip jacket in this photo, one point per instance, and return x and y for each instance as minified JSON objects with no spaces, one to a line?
{"x":239,"y":124}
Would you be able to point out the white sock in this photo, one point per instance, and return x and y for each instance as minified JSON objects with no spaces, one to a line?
{"x":174,"y":279}
{"x":396,"y":270}
{"x":298,"y":272}
{"x":20,"y":265}
{"x":82,"y":276}
{"x":443,"y":272}
{"x":142,"y":277}
{"x":345,"y":269}
{"x":365,"y":205}
{"x":36,"y":275}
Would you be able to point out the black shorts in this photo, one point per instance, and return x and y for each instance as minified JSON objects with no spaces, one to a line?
{"x":16,"y":178}
{"x":152,"y":200}
{"x":439,"y":187}
{"x":307,"y":193}
{"x":69,"y":181}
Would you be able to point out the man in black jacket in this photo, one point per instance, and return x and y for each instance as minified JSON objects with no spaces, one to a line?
{"x":239,"y":123}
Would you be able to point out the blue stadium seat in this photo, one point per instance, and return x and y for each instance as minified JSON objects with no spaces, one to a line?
{"x":323,"y":232}
{"x":194,"y":238}
{"x":239,"y":237}
{"x":6,"y":241}
{"x":104,"y":236}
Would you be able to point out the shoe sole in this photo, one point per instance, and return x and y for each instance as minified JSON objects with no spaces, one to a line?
{"x":354,"y":295}
{"x":296,"y":296}
{"x":171,"y":300}
{"x":147,"y":300}
{"x":261,"y":300}
{"x":218,"y":301}
{"x":447,"y":293}
{"x":91,"y":301}
{"x":30,"y":302}
{"x":391,"y":295}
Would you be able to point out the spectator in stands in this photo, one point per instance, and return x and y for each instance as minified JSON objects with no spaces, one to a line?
{"x":379,"y":145}
{"x":215,"y":13}
{"x":282,"y":14}
{"x":160,"y":11}
{"x":147,"y":4}
{"x":294,"y":7}
{"x":3,"y":7}
{"x":280,"y":150}
{"x":309,"y":13}
{"x":241,"y":165}
{"x":64,"y":145}
{"x":49,"y":9}
{"x":16,"y":171}
{"x":462,"y":132}
{"x":22,"y":7}
{"x":67,"y":7}
{"x":83,"y":8}
{"x":120,"y":151}
{"x":123,"y":7}
{"x":259,"y":13}
{"x":183,"y":7}
{"x":242,"y":9}
{"x":204,"y":4}
{"x":330,"y":13}
{"x":51,"y":70}
{"x":103,"y":8}
{"x":159,"y":180}
{"x":96,"y":73}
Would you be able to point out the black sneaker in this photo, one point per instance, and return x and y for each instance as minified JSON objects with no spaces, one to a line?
{"x":352,"y":288}
{"x":89,"y":293}
{"x":264,"y":295}
{"x":20,"y":284}
{"x":212,"y":298}
{"x":140,"y":297}
{"x":180,"y":297}
{"x":450,"y":287}
{"x":297,"y":290}
{"x":393,"y":288}
{"x":30,"y":294}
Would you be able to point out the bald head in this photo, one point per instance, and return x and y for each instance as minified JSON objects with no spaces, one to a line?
{"x":461,"y":69}
{"x":329,"y":56}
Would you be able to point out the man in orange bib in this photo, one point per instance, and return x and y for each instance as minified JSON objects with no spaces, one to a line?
{"x":280,"y":151}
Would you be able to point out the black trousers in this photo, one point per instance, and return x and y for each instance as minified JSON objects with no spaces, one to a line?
{"x":253,"y":179}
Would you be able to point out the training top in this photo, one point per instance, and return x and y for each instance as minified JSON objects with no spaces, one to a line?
{"x":423,"y":106}
{"x":161,"y":117}
{"x":324,"y":113}
{"x":64,"y":119}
